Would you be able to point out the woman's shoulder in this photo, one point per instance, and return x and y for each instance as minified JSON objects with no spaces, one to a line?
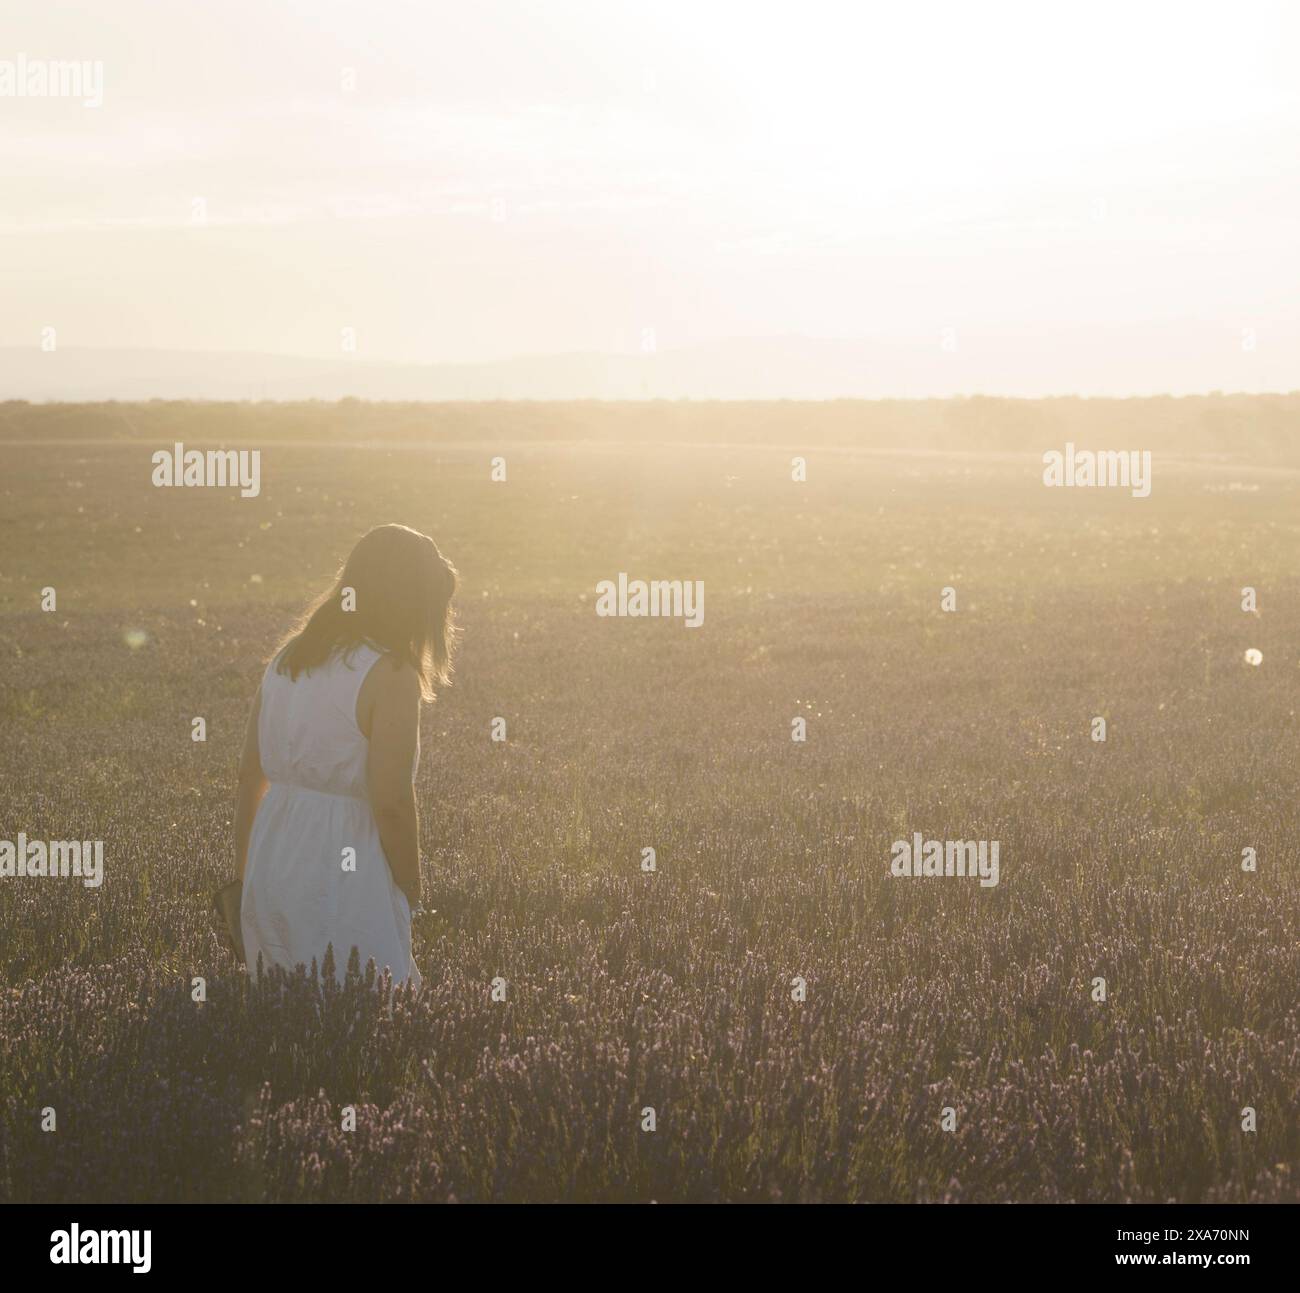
{"x":395,"y":679}
{"x":391,"y":673}
{"x":359,"y":656}
{"x":278,"y":670}
{"x":393,"y":688}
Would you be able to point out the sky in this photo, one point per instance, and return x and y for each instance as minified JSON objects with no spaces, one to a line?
{"x":433,"y":182}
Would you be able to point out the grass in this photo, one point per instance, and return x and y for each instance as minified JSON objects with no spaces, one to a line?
{"x":673,"y":989}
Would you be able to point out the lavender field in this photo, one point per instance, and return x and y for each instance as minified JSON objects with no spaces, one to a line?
{"x":676,"y":989}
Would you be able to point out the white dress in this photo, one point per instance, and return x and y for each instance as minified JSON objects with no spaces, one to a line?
{"x":298,"y":898}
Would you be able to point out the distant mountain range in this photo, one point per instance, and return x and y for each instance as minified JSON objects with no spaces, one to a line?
{"x":1128,"y":361}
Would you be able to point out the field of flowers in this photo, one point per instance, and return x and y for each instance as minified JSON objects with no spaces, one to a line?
{"x":674,"y":989}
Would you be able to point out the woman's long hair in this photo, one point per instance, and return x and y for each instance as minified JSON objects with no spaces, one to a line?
{"x":394,"y":592}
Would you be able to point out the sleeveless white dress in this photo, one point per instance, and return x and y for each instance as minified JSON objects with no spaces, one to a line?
{"x":298,"y":899}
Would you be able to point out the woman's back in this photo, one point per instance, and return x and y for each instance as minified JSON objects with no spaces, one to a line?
{"x":307,"y":730}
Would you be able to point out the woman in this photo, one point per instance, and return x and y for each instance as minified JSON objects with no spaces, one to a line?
{"x":326,"y":828}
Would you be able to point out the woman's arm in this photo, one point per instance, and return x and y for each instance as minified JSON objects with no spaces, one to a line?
{"x":390,"y":769}
{"x":251,"y":787}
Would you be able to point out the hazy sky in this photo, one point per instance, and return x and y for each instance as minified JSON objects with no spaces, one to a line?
{"x":521,"y":178}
